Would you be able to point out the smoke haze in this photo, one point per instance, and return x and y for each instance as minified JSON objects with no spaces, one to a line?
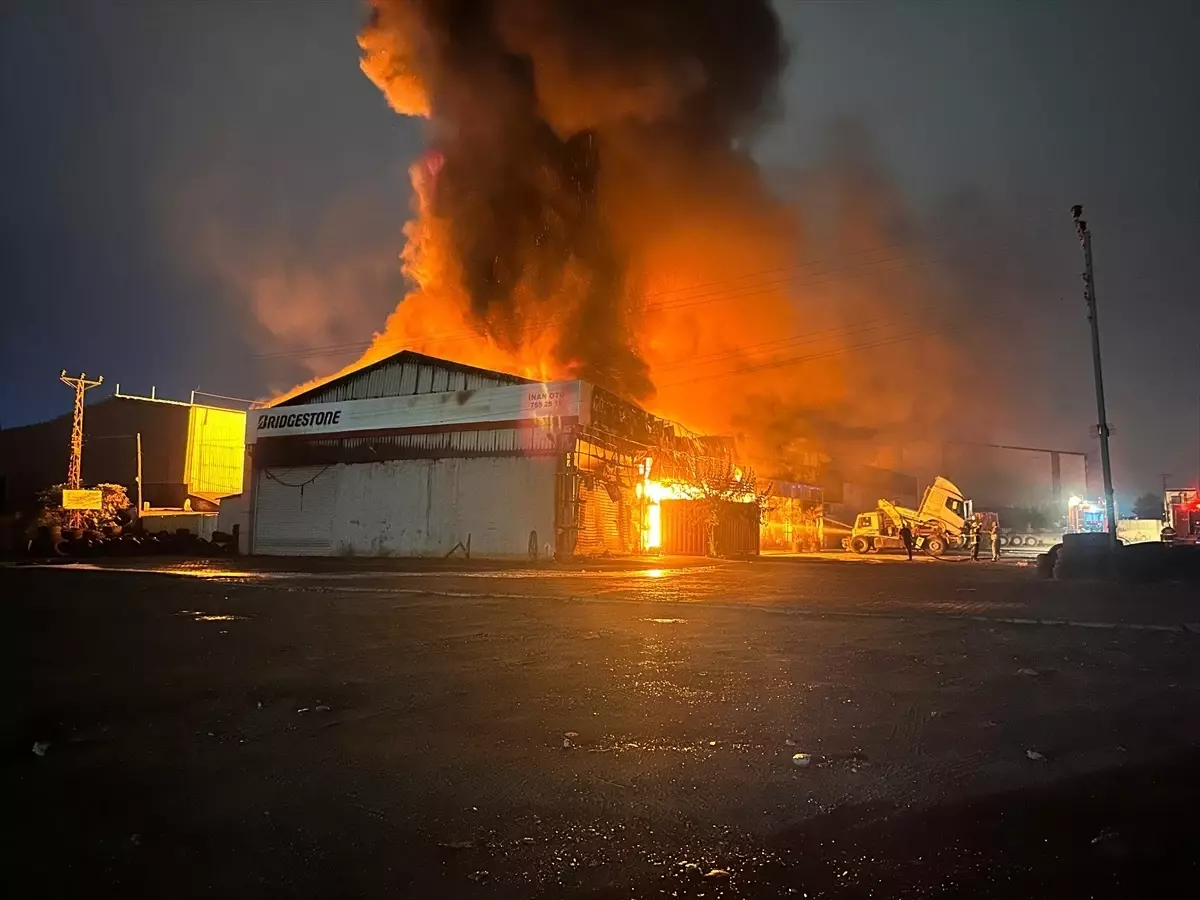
{"x":589,"y":207}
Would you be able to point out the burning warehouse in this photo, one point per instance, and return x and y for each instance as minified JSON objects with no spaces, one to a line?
{"x":418,"y":456}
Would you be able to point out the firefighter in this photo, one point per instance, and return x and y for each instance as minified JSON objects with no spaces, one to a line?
{"x":994,"y":534}
{"x":973,"y":537}
{"x":906,"y":538}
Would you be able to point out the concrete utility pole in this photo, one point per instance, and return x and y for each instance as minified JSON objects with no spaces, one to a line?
{"x":1089,"y":295}
{"x":75,"y":467}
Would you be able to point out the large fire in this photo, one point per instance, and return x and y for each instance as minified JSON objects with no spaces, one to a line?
{"x":589,"y":210}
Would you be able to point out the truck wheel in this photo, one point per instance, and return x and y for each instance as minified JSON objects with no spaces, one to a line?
{"x":859,"y":544}
{"x":935,"y":546}
{"x":1004,"y":542}
{"x":1030,"y":541}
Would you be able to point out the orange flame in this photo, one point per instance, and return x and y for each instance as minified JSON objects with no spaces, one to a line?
{"x":739,"y":331}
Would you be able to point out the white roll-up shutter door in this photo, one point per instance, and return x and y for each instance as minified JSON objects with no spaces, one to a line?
{"x":293,"y":511}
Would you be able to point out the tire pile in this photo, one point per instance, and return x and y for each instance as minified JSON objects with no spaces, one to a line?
{"x":115,"y":541}
{"x":1091,"y":556}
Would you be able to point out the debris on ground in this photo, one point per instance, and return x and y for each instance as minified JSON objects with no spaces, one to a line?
{"x":717,"y":873}
{"x":1106,"y":835}
{"x":1035,"y":756}
{"x":1027,"y":671}
{"x":788,"y":742}
{"x":40,"y":748}
{"x":571,"y":734}
{"x":481,"y":875}
{"x":459,"y":845}
{"x":321,"y":708}
{"x":802,"y":760}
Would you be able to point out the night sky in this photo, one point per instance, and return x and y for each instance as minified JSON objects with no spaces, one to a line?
{"x":195,"y":190}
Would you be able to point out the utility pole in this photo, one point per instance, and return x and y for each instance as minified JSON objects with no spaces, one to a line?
{"x":81,"y":385}
{"x":139,"y":473}
{"x":1089,"y":295}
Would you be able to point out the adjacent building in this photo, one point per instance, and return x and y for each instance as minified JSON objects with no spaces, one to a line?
{"x":190,"y":454}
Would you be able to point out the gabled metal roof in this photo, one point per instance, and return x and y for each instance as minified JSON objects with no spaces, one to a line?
{"x":401,"y":374}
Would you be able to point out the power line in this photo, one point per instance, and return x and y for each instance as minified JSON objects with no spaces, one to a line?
{"x":824,"y":355}
{"x":799,"y":339}
{"x":680,"y":303}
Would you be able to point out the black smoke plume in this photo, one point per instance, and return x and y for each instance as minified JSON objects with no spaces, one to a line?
{"x":537,"y":108}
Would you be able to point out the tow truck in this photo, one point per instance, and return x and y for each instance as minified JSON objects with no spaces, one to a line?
{"x":937,"y":524}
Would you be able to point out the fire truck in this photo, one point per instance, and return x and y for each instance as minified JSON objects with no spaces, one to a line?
{"x":1183,"y":515}
{"x":1085,"y":517}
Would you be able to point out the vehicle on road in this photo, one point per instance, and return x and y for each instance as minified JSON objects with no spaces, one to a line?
{"x":938,"y":524}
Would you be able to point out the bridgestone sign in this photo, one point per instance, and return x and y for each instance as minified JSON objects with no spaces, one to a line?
{"x":537,"y":405}
{"x":325,"y":417}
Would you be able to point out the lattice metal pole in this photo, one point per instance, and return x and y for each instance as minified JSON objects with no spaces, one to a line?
{"x":80,"y":385}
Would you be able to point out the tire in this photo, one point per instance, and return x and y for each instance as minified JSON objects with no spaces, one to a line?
{"x":1030,"y":541}
{"x":859,"y":545}
{"x":1048,"y":561}
{"x":1004,"y":542}
{"x":935,"y":546}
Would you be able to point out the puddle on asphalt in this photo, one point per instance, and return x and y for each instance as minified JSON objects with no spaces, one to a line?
{"x":219,"y":573}
{"x":192,"y":571}
{"x":198,"y":616}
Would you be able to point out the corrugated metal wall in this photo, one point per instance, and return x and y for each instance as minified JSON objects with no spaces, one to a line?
{"x":531,"y":441}
{"x":684,"y":528}
{"x":216,"y":450}
{"x":738,"y":531}
{"x":404,"y":375}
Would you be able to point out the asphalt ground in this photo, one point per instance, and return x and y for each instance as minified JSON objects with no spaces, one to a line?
{"x":239,"y":729}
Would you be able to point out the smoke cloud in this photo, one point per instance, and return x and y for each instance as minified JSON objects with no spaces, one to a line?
{"x":589,"y":208}
{"x":576,"y":142}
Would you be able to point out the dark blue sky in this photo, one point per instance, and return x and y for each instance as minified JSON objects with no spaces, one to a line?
{"x":177,"y":174}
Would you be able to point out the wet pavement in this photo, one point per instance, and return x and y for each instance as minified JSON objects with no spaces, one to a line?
{"x":963,"y":729}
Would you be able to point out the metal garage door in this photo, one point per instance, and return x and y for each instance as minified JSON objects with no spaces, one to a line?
{"x":293,"y":511}
{"x":606,"y":524}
